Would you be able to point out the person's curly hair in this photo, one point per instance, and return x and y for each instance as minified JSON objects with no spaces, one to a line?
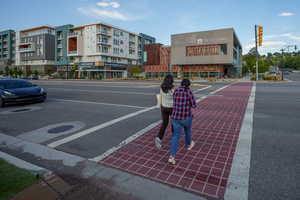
{"x":167,"y":83}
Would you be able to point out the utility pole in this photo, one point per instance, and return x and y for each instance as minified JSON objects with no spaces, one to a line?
{"x":256,"y":52}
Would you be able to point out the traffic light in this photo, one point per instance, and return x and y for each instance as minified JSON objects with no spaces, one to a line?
{"x":260,"y":35}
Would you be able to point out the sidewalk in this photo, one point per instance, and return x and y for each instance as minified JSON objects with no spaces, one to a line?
{"x":203,"y":170}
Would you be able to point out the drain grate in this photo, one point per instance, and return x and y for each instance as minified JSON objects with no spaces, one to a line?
{"x":60,"y":129}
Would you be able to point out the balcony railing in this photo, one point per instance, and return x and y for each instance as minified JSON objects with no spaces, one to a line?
{"x":104,"y":32}
{"x":105,"y":42}
{"x":72,"y":52}
{"x":74,"y":34}
{"x":26,"y":49}
{"x":59,"y":46}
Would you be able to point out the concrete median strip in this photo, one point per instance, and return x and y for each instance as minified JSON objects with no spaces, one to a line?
{"x":238,"y":183}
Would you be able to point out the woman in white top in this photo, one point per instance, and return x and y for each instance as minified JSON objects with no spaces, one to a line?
{"x":166,"y":95}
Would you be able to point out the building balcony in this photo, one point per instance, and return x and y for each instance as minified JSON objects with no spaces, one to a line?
{"x":30,"y":49}
{"x":72,"y":53}
{"x":59,"y":46}
{"x":72,"y":34}
{"x":24,"y":43}
{"x":104,"y":42}
{"x":60,"y":37}
{"x":104,"y":32}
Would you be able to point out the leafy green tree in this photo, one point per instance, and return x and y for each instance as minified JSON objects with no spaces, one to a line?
{"x":35,"y":72}
{"x":7,"y":70}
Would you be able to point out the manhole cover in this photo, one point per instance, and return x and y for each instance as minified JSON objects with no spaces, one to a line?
{"x":60,"y":129}
{"x":21,"y":110}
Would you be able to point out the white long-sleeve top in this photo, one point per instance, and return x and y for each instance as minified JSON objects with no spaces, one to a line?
{"x":167,"y":98}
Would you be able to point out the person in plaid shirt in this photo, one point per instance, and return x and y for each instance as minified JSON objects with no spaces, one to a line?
{"x":183,"y":101}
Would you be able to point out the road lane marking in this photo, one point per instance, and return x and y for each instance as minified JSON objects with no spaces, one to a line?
{"x":98,"y":103}
{"x":141,"y":132}
{"x":101,"y":91}
{"x":200,"y":89}
{"x":105,"y":86}
{"x":238,"y":182}
{"x":100,"y":82}
{"x":98,"y":127}
{"x":123,"y":143}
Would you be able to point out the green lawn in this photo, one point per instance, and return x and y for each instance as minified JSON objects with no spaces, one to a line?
{"x":13,"y":180}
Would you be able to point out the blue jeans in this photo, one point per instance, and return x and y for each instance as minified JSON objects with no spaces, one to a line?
{"x":177,"y":127}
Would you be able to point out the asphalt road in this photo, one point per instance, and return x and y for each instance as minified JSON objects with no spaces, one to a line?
{"x":78,"y":106}
{"x":275,"y":155}
{"x":86,"y":106}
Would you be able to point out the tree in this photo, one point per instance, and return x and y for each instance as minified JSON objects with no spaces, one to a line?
{"x":1,"y":72}
{"x":35,"y":72}
{"x":19,"y":73}
{"x":7,"y":71}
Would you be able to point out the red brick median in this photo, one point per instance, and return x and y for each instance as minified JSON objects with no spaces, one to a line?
{"x":205,"y":169}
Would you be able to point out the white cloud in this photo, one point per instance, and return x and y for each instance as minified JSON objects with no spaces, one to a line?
{"x":115,"y":4}
{"x":105,"y":4}
{"x":268,"y":46}
{"x":284,"y":35}
{"x":286,"y":14}
{"x":101,"y":13}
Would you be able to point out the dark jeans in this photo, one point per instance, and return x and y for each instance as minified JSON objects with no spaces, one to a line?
{"x":165,"y":115}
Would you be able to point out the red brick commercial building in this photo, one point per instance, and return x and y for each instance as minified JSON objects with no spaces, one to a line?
{"x":158,"y":60}
{"x":204,"y":54}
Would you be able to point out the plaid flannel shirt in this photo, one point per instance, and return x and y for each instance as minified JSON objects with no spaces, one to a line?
{"x":184,"y":100}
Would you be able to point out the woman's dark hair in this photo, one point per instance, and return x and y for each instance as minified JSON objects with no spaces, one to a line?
{"x":167,"y":84}
{"x":185,"y":83}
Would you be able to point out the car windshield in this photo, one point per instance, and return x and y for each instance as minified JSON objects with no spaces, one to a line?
{"x":13,"y":84}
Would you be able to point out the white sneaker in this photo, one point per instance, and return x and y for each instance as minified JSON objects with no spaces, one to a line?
{"x":158,"y":143}
{"x":172,"y":160}
{"x":191,"y":146}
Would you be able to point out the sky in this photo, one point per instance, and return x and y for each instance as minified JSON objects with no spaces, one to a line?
{"x":161,"y":18}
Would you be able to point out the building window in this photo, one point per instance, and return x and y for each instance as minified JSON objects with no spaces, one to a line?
{"x":116,"y":50}
{"x":121,"y":33}
{"x":104,"y":58}
{"x":116,"y":42}
{"x":116,"y":33}
{"x":202,"y":50}
{"x":103,"y":49}
{"x":121,"y":41}
{"x":223,"y":49}
{"x":113,"y":59}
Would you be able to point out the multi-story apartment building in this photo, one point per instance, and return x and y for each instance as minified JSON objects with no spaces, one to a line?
{"x":143,"y":40}
{"x":98,"y":50}
{"x":35,"y":49}
{"x":7,"y":48}
{"x":101,"y":50}
{"x":61,"y":41}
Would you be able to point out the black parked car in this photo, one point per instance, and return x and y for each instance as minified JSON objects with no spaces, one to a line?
{"x":18,"y":90}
